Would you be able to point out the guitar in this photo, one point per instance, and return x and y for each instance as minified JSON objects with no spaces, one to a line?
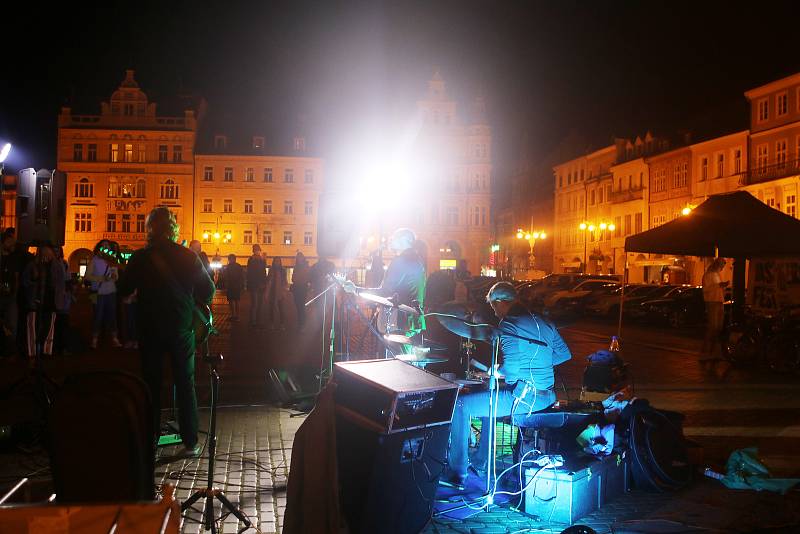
{"x":203,"y":325}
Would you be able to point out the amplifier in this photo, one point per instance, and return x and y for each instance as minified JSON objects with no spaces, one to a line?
{"x":390,"y":395}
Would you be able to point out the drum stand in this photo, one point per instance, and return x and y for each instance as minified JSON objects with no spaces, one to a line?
{"x":210,"y":492}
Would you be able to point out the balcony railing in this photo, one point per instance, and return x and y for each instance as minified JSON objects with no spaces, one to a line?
{"x":628,"y":194}
{"x":758,"y":174}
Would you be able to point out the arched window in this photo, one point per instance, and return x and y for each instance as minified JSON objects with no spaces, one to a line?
{"x":169,"y":190}
{"x":114,"y":188}
{"x":84,"y":188}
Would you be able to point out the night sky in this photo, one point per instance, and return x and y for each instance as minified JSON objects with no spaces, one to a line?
{"x":549,"y":70}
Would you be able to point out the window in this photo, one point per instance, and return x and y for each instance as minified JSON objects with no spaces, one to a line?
{"x":309,"y":208}
{"x":268,"y":175}
{"x":608,"y":193}
{"x":288,"y":176}
{"x":763,"y":110}
{"x":628,"y":224}
{"x":475,"y":219}
{"x":637,"y":223}
{"x":227,"y":205}
{"x":288,"y":207}
{"x":684,"y":174}
{"x":207,"y":236}
{"x":162,"y":153}
{"x":91,"y":153}
{"x":127,"y":109}
{"x":300,"y":144}
{"x":142,"y":153}
{"x":77,"y":152}
{"x":169,"y":190}
{"x":208,"y":205}
{"x":483,"y":216}
{"x":267,"y":207}
{"x":267,"y":237}
{"x":84,"y":188}
{"x":618,"y":226}
{"x":591,"y":198}
{"x":762,"y":153}
{"x":780,"y":152}
{"x":258,"y":142}
{"x":208,"y":174}
{"x":228,"y":174}
{"x":140,"y":188}
{"x":126,"y":223}
{"x":287,"y":238}
{"x":600,"y":195}
{"x":248,"y":206}
{"x":307,"y":238}
{"x":250,"y":175}
{"x":676,"y":176}
{"x":111,"y":222}
{"x":128,"y":152}
{"x":781,"y":104}
{"x":114,"y":153}
{"x":83,"y":221}
{"x":177,"y":154}
{"x":309,"y":176}
{"x":247,"y":236}
{"x":140,"y":223}
{"x":560,"y":181}
{"x":704,"y":169}
{"x":451,"y":215}
{"x":737,"y":161}
{"x":791,"y":205}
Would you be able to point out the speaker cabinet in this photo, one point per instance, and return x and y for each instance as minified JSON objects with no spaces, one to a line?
{"x":41,"y":206}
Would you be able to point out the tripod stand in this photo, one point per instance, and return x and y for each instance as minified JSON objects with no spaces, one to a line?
{"x":210,"y":492}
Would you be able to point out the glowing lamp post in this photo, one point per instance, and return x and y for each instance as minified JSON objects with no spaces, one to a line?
{"x":587,"y":227}
{"x":530,"y":237}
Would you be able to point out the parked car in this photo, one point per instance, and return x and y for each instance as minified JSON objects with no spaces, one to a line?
{"x":632,"y":307}
{"x":573,"y":302}
{"x":581,"y":289}
{"x":607,"y":305}
{"x":684,"y":306}
{"x":560,"y":282}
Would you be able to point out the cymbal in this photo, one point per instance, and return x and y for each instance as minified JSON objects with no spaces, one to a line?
{"x":415,"y":360}
{"x":377,"y":299}
{"x":461,"y":323}
{"x":397,"y":338}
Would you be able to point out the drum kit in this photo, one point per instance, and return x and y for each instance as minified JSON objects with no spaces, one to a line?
{"x":456,"y":317}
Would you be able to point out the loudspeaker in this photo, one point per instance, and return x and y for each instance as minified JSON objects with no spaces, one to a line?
{"x":387,"y":482}
{"x":41,"y":206}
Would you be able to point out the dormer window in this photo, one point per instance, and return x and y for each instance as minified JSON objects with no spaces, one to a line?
{"x":258,"y":143}
{"x":300,"y":144}
{"x":220,"y":142}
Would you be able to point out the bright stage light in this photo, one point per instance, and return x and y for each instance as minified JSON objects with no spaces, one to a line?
{"x":4,"y":152}
{"x":543,"y":235}
{"x":591,"y":228}
{"x":527,"y":237}
{"x":612,"y":227}
{"x":603,"y":226}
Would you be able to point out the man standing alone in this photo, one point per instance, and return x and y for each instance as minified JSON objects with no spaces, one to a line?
{"x":714,"y":297}
{"x":170,"y":281}
{"x":256,"y":283}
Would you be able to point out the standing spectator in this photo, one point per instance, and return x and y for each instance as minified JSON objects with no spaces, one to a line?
{"x":170,"y":282}
{"x":129,"y":308}
{"x":197,"y":248}
{"x":43,"y":283}
{"x":62,"y":311}
{"x":256,"y":282}
{"x":233,"y":280}
{"x":318,"y":275}
{"x":10,"y":269}
{"x":103,"y":276}
{"x":714,"y":297}
{"x":300,"y":280}
{"x":276,"y":295}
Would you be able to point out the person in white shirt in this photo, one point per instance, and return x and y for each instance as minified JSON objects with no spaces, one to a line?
{"x":714,"y":297}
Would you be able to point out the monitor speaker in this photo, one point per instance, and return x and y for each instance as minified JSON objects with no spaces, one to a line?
{"x":41,"y":206}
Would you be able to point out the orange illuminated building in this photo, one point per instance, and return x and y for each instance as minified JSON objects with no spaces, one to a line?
{"x":122,"y":163}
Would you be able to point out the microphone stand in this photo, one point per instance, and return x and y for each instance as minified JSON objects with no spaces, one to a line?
{"x":331,"y":347}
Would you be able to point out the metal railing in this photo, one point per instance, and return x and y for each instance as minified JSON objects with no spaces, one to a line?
{"x":766,"y":173}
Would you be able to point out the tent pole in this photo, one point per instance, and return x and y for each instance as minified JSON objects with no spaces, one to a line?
{"x":622,"y":294}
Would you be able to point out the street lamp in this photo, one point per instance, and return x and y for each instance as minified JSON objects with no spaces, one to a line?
{"x":531,"y":237}
{"x":587,"y":227}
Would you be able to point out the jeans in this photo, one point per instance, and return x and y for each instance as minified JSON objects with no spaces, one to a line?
{"x":256,"y":304}
{"x":477,"y":405}
{"x":105,"y":312}
{"x":180,"y":348}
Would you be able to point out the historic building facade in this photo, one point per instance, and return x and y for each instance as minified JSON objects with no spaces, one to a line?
{"x":244,"y":196}
{"x":120,"y":164}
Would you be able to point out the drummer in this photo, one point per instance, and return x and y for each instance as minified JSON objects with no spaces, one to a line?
{"x":528,"y":372}
{"x":404,"y":283}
